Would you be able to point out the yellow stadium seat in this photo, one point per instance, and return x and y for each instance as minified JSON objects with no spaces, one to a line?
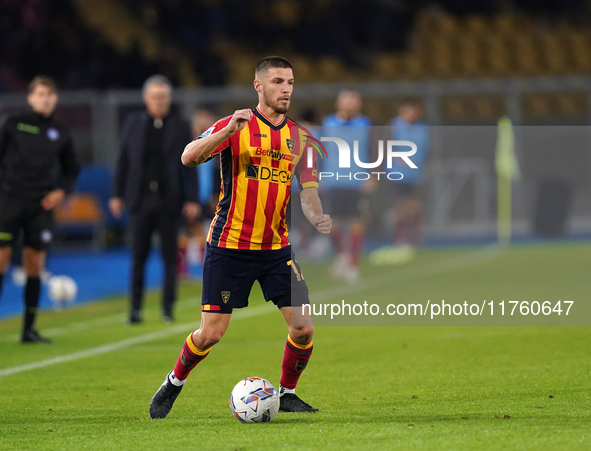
{"x":80,"y":210}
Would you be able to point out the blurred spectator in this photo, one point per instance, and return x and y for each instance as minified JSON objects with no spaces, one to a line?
{"x":301,"y":232}
{"x":344,"y":194}
{"x":409,"y":126}
{"x":48,"y":36}
{"x":192,"y":243}
{"x":151,"y":181}
{"x":208,"y":175}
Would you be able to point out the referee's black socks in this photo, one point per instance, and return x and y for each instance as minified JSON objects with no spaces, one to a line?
{"x":32,"y":291}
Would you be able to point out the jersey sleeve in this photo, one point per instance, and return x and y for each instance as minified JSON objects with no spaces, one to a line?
{"x":305,"y":172}
{"x":216,"y":128}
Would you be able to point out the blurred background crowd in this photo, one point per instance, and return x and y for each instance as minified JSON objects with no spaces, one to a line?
{"x":118,"y":44}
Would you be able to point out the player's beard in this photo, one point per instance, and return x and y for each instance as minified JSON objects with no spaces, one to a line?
{"x":279,"y":109}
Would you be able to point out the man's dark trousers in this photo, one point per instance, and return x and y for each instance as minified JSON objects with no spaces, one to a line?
{"x":154,"y":216}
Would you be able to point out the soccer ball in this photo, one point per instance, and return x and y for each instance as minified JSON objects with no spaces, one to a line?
{"x":254,"y":400}
{"x":62,"y":290}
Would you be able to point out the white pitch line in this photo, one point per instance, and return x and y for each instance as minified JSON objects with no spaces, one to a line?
{"x":437,"y":267}
{"x":105,"y":321}
{"x":103,"y":349}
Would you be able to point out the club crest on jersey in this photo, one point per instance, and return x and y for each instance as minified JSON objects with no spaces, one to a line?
{"x":225,"y":296}
{"x":53,"y":134}
{"x":290,"y":144}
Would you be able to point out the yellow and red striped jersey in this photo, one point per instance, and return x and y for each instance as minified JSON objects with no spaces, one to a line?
{"x":257,"y":166}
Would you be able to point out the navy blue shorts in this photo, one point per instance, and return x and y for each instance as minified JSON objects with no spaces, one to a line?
{"x":229,"y":274}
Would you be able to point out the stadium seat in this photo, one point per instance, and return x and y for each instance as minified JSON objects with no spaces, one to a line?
{"x":97,"y":180}
{"x":80,"y":215}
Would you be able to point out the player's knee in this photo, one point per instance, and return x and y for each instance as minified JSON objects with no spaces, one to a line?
{"x":33,"y":262}
{"x":303,"y":334}
{"x":206,"y":338}
{"x":5,"y":253}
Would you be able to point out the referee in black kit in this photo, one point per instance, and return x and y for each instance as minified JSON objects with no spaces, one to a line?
{"x":151,"y":182}
{"x":38,"y":167}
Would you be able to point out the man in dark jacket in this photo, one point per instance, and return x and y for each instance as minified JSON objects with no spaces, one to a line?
{"x":151,"y":182}
{"x":38,"y":167}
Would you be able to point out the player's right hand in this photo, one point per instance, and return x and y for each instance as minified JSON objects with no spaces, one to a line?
{"x":239,"y":120}
{"x":116,"y":205}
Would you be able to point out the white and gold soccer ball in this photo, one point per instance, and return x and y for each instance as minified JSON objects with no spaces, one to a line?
{"x":254,"y":400}
{"x":62,"y":291}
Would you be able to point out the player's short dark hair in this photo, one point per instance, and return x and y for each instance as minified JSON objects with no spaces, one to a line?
{"x":271,"y":62}
{"x":42,"y":80}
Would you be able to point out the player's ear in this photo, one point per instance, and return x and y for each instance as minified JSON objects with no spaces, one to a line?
{"x":257,"y":85}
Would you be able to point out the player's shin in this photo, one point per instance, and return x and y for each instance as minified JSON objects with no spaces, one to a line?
{"x":295,"y":359}
{"x":32,"y":292}
{"x":356,"y":247}
{"x":189,"y":357}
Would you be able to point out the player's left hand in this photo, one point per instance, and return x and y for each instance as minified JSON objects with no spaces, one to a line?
{"x":323,"y":223}
{"x":191,"y":210}
{"x":50,"y":201}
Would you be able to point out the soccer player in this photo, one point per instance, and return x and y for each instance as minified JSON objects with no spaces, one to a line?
{"x":345,"y":194}
{"x":260,"y":150}
{"x":409,"y":126}
{"x":38,"y":167}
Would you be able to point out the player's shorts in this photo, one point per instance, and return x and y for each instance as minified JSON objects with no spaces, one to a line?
{"x":342,"y":202}
{"x":229,"y":274}
{"x":17,"y":214}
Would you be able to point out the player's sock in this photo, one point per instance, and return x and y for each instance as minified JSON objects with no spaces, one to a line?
{"x":401,"y":231}
{"x":189,"y":357}
{"x":1,"y":280}
{"x":174,"y":381}
{"x":356,"y":248}
{"x":337,"y":241}
{"x":32,"y":291}
{"x":416,"y":222}
{"x":295,"y":359}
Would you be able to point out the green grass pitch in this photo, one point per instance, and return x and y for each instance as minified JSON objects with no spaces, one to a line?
{"x":408,"y":388}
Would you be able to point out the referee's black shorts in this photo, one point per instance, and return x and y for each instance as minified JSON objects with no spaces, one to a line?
{"x":229,"y":274}
{"x":28,"y":215}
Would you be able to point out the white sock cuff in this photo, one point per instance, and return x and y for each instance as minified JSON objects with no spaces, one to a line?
{"x":174,"y":381}
{"x":283,"y":390}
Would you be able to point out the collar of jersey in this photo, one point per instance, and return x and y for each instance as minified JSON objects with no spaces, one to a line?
{"x":268,"y":122}
{"x":41,"y":117}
